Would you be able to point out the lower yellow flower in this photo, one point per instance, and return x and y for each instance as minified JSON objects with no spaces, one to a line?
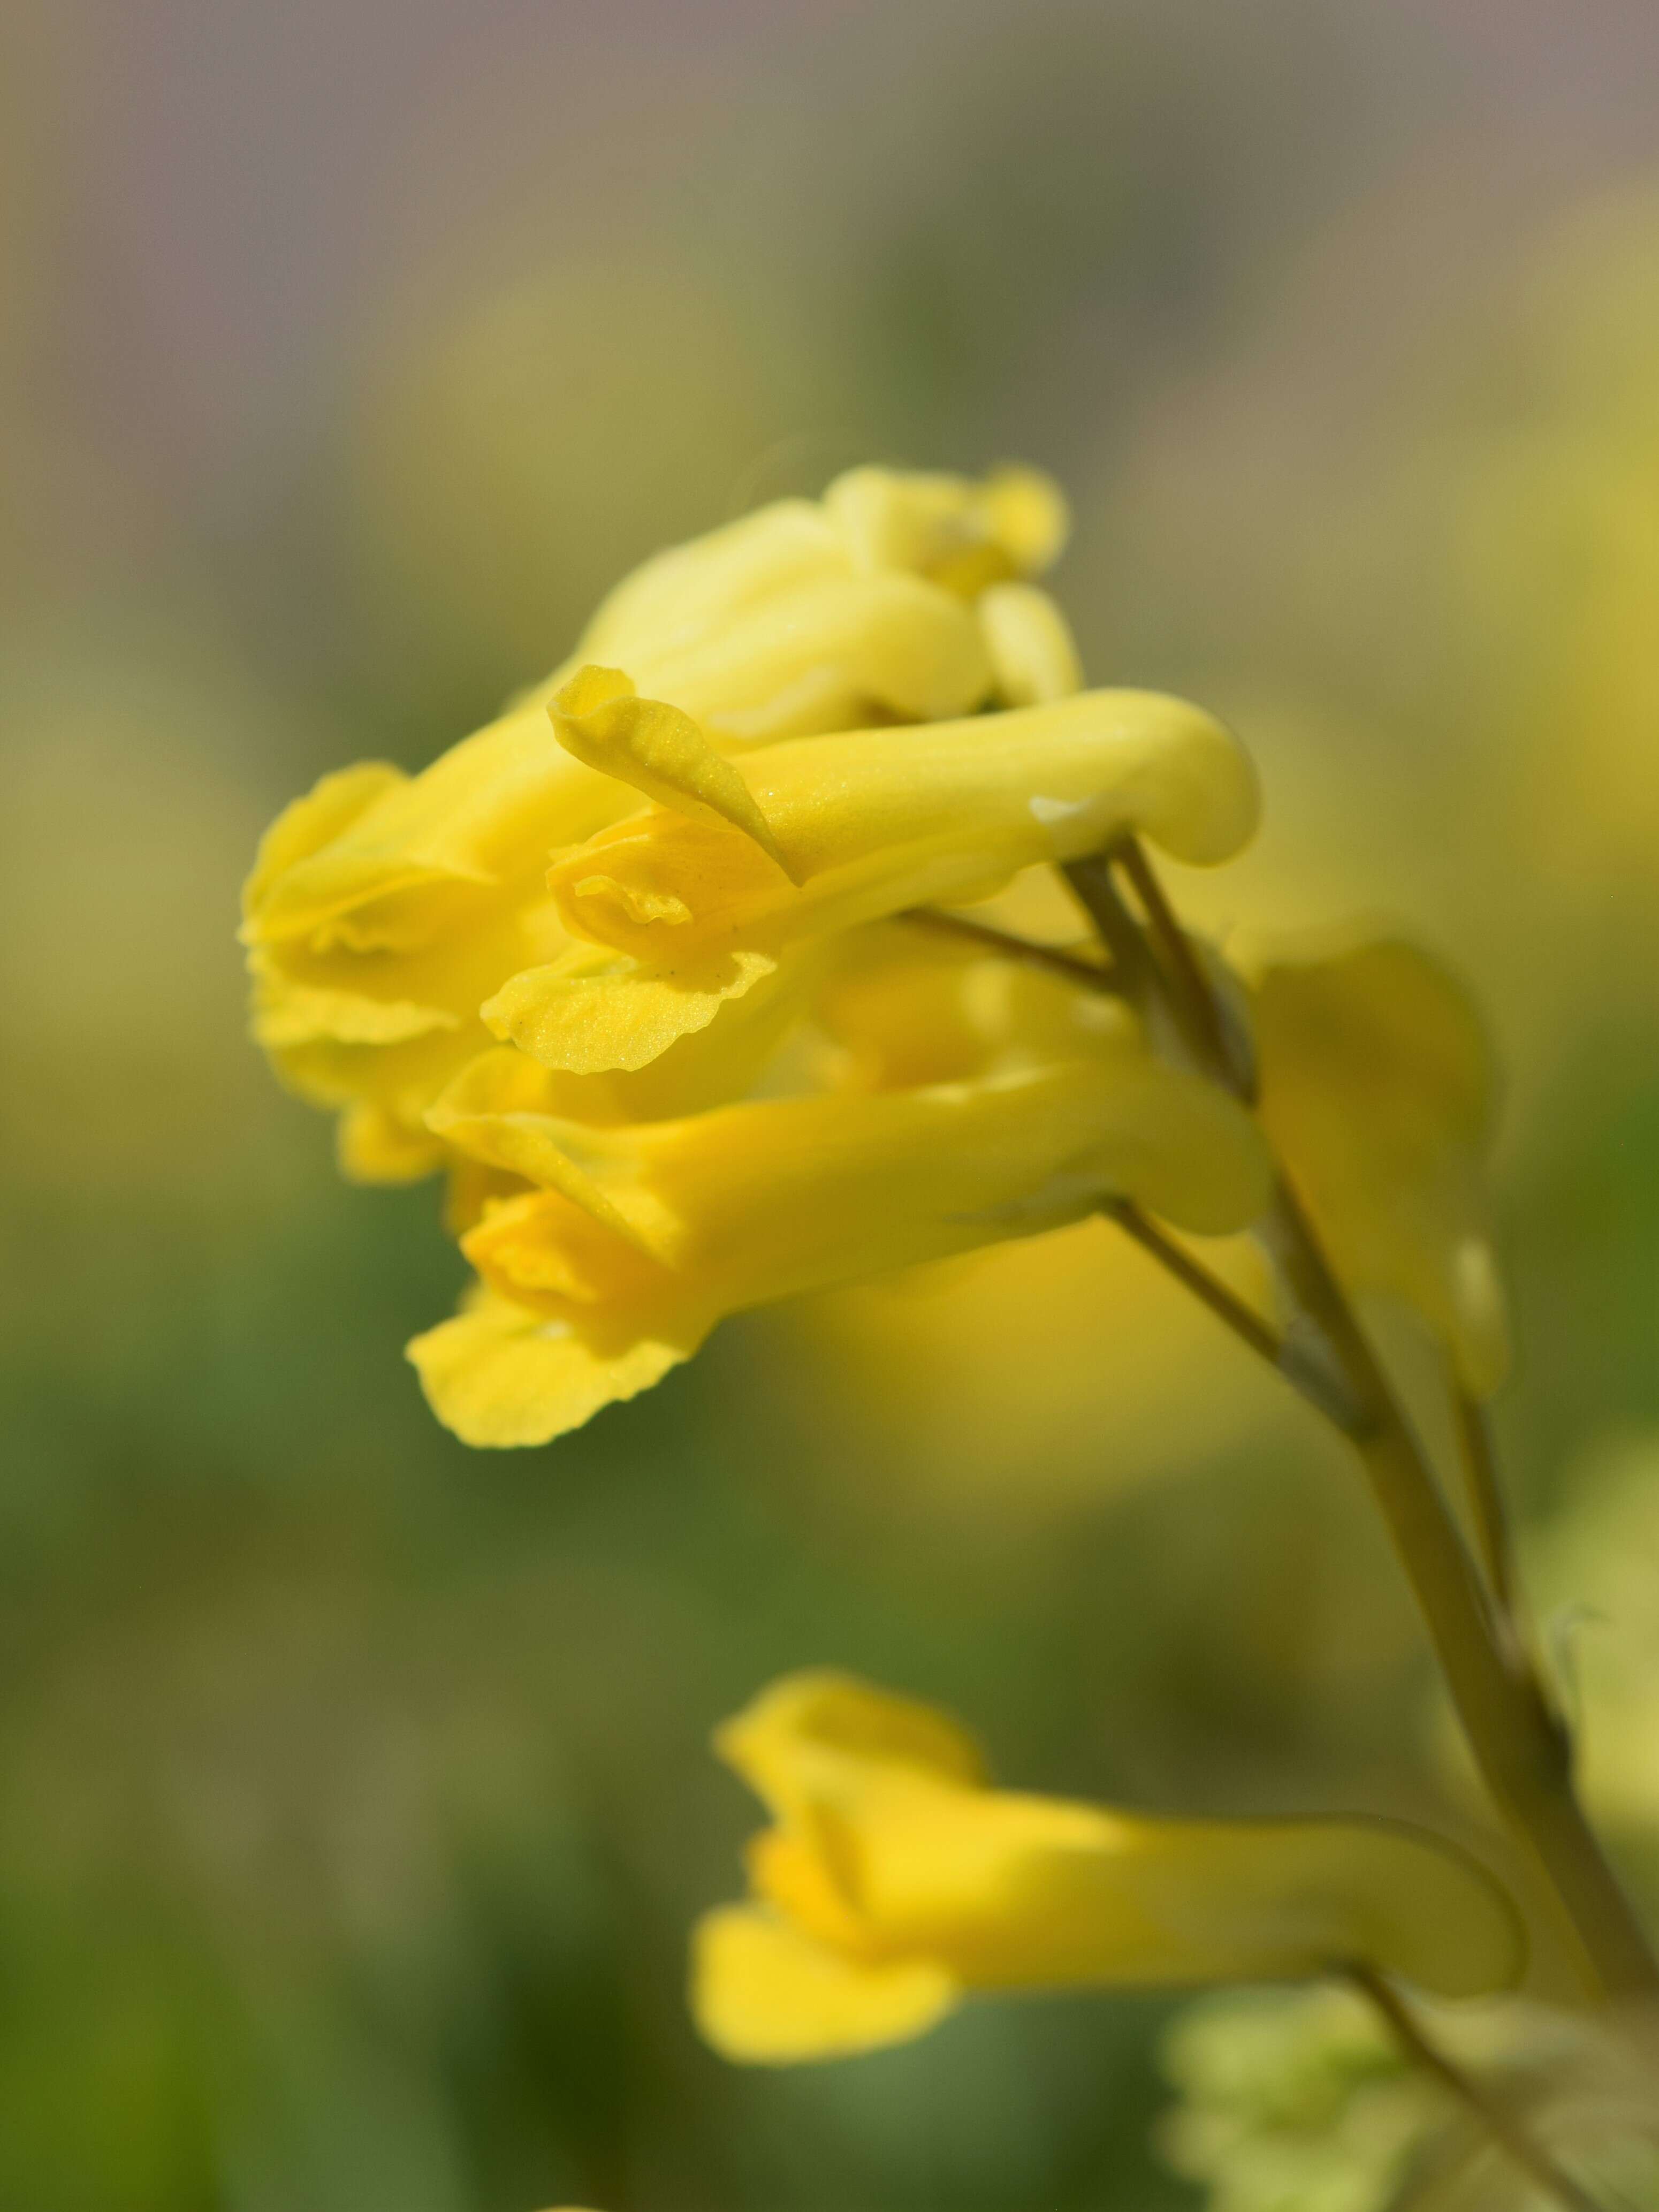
{"x":895,"y":1881}
{"x":626,"y":1244}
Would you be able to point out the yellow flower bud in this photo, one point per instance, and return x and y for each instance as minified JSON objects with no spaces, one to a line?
{"x":1378,"y":1089}
{"x":895,"y":1881}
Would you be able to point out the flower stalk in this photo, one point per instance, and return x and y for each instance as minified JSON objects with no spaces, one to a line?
{"x":1487,"y":2109}
{"x":1518,"y":1738}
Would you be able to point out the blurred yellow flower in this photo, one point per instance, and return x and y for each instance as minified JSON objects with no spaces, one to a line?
{"x":1378,"y":1089}
{"x":896,"y":1881}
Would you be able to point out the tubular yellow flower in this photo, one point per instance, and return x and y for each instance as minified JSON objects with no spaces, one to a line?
{"x":626,"y":1245}
{"x":860,"y":825}
{"x":895,"y":1881}
{"x":1377,"y":1087}
{"x":384,"y":909}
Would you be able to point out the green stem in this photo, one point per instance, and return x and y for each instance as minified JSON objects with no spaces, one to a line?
{"x":1509,"y":2133}
{"x":1492,"y":1529}
{"x":1517,"y":1739}
{"x":1092,"y":973}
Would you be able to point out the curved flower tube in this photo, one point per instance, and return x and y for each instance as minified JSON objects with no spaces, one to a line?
{"x":894,"y":1881}
{"x":625,"y":1245}
{"x":384,"y":909}
{"x":1378,"y":1089}
{"x":856,"y":826}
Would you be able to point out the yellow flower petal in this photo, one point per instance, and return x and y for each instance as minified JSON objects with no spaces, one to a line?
{"x":962,"y":534}
{"x":877,"y":821}
{"x":648,"y":1233}
{"x":690,"y":590}
{"x":588,"y":1015}
{"x":768,"y":1198}
{"x":503,"y":1375}
{"x":891,"y":1850}
{"x":486,"y":810}
{"x":1010,"y":1892}
{"x":764,"y":1995}
{"x":327,"y":811}
{"x":656,"y":748}
{"x":375,"y":1146}
{"x":773,"y":1742}
{"x":772,"y":627}
{"x":1034,"y":656}
{"x":1377,"y":1087}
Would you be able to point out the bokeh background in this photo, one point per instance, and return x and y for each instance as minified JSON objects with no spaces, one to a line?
{"x":355,"y":1790}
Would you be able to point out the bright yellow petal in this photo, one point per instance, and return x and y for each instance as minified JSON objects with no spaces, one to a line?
{"x":503,"y":1375}
{"x":375,"y":1146}
{"x":778,"y":1742}
{"x":764,"y":1201}
{"x":327,"y":811}
{"x":1377,"y":1087}
{"x":486,"y":811}
{"x":657,"y":749}
{"x":1014,"y":1891}
{"x":765,"y":1996}
{"x":877,"y":821}
{"x":588,"y":1015}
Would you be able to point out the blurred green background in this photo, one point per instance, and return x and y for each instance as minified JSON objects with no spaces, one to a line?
{"x":356,"y":1796}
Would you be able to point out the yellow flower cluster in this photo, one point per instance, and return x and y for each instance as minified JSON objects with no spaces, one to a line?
{"x":666,"y":970}
{"x":633,"y":965}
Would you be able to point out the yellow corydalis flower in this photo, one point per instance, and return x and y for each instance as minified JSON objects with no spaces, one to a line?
{"x":627,"y":964}
{"x":384,"y":909}
{"x":1378,"y":1090}
{"x":628,"y":1243}
{"x":894,"y":1881}
{"x":695,"y":906}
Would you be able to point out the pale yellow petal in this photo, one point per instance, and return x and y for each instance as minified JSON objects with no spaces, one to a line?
{"x":503,"y":1375}
{"x":832,"y":655}
{"x":880,"y":820}
{"x":327,"y":811}
{"x":1377,"y":1086}
{"x":770,"y":1199}
{"x":1034,"y":656}
{"x":1014,"y":1891}
{"x":690,"y":590}
{"x":375,"y":1146}
{"x":1026,"y":512}
{"x":657,"y":749}
{"x":962,"y":534}
{"x":778,"y":1742}
{"x":287,"y":1012}
{"x":589,"y":1016}
{"x":487,"y":809}
{"x":763,"y":1995}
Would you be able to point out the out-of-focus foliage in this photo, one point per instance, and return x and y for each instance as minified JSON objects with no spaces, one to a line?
{"x":1301,"y":2101}
{"x":356,"y":1802}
